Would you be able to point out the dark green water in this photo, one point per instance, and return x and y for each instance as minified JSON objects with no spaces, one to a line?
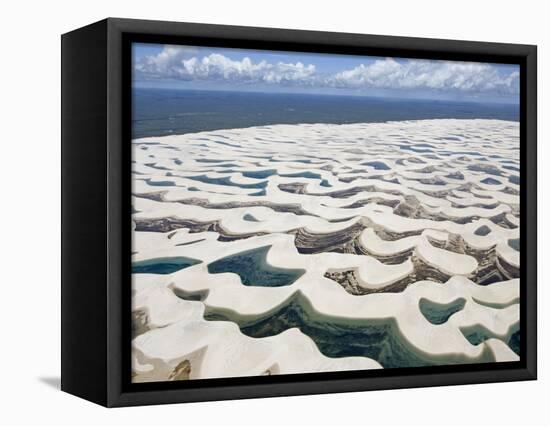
{"x":380,"y":340}
{"x":252,"y":267}
{"x":249,"y":218}
{"x":163,"y":265}
{"x":479,"y":334}
{"x":438,"y":313}
{"x":483,"y":230}
{"x":227,"y":182}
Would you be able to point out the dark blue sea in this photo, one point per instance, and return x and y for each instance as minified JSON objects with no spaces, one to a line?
{"x":159,"y":112}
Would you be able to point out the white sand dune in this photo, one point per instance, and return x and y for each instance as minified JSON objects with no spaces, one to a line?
{"x":300,"y":248}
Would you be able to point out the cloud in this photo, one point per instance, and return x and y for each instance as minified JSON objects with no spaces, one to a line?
{"x":465,"y":77}
{"x":170,"y":63}
{"x":165,"y":63}
{"x":184,"y":64}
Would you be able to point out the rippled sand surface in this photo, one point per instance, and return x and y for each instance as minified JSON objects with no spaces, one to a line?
{"x":303,"y":248}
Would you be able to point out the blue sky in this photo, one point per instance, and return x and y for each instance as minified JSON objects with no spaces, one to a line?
{"x":201,"y":68}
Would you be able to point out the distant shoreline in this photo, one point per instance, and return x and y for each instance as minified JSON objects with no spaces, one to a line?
{"x":162,"y":112}
{"x":389,"y":122}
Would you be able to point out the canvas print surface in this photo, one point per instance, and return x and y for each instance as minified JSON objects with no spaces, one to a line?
{"x":300,"y":213}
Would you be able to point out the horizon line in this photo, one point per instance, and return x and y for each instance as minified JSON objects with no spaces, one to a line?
{"x":346,"y":95}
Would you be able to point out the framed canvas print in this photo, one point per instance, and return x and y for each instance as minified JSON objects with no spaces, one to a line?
{"x":253,"y":212}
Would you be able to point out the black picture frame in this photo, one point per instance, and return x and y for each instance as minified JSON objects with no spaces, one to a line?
{"x":96,"y":79}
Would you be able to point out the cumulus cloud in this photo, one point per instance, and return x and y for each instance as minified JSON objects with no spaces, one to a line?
{"x":182,"y":63}
{"x":431,"y":75}
{"x":165,"y":63}
{"x":171,"y":63}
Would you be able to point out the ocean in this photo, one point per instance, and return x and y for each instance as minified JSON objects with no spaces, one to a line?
{"x":160,"y":112}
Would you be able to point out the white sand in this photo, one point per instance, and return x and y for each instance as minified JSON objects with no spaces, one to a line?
{"x":442,"y":235}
